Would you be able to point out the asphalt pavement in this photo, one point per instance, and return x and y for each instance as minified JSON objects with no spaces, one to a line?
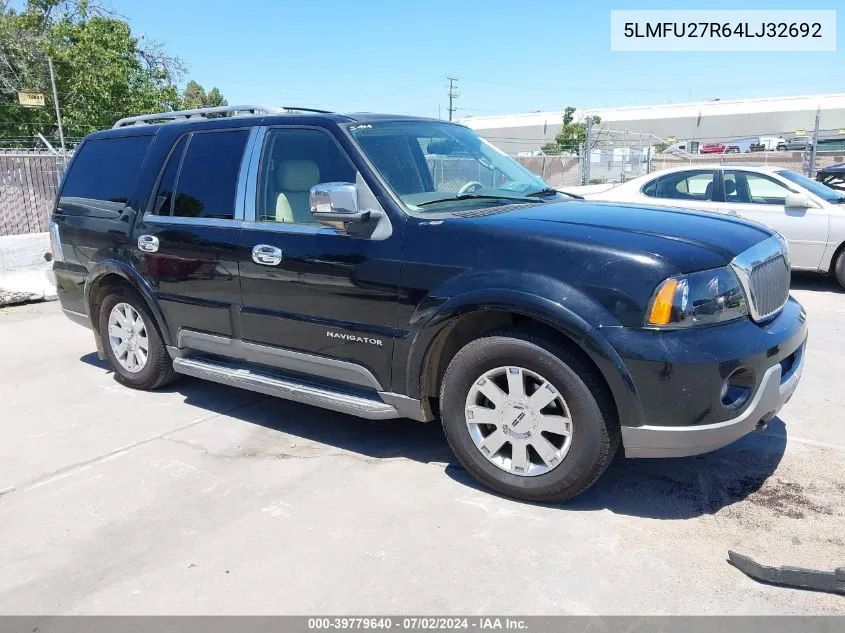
{"x":203,"y":499}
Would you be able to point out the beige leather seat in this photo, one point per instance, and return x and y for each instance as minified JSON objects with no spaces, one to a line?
{"x":294,"y":179}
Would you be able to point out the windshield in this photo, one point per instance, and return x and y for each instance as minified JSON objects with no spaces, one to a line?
{"x":432,"y":166}
{"x":813,"y":186}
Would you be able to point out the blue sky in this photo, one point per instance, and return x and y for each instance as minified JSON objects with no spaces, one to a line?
{"x":509,"y":56}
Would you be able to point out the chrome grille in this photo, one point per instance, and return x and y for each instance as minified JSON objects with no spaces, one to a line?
{"x":770,"y":285}
{"x":764,"y":272}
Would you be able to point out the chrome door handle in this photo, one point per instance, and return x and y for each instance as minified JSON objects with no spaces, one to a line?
{"x":148,"y":243}
{"x":266,"y":255}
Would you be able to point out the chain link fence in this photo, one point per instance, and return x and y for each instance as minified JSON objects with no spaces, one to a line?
{"x":615,"y":163}
{"x":450,"y":174}
{"x":796,"y":161}
{"x":557,"y":171}
{"x":28,"y":184}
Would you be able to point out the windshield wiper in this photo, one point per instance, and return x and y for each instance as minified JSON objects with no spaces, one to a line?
{"x":548,"y":191}
{"x":474,"y":196}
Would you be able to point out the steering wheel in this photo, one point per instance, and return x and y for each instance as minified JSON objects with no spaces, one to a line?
{"x":471,"y":187}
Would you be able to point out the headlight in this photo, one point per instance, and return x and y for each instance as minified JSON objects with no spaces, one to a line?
{"x":709,"y":296}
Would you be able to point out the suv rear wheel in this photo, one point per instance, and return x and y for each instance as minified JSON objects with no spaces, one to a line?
{"x":527,"y":417}
{"x":132,"y":343}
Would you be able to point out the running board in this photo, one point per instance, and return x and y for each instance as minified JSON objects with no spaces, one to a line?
{"x":286,"y":388}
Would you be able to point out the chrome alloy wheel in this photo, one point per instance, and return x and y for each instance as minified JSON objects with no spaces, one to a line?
{"x":518,"y":421}
{"x":128,"y":337}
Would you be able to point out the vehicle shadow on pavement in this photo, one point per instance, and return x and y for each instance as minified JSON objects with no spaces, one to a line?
{"x":811,"y":281}
{"x":378,"y":439}
{"x":684,"y":487}
{"x":678,"y":488}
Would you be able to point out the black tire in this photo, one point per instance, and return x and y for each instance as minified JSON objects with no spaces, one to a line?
{"x":839,"y":269}
{"x":595,"y":430}
{"x":158,"y":370}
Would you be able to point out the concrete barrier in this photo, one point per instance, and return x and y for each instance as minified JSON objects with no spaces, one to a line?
{"x":25,"y":272}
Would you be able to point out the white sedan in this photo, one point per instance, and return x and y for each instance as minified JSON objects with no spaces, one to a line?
{"x":810,"y":215}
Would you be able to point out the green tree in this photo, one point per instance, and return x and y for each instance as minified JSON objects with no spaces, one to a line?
{"x":195,"y":96}
{"x":103,"y":71}
{"x":572,"y":135}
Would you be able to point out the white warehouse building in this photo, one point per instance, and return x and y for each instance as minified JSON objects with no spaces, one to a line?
{"x":706,"y":121}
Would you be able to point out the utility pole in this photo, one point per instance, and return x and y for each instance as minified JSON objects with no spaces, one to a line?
{"x":58,"y":112}
{"x":811,"y":170}
{"x":453,"y":94}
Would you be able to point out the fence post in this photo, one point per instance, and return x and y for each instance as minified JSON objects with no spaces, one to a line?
{"x":587,"y":151}
{"x":811,"y":171}
{"x":648,"y":158}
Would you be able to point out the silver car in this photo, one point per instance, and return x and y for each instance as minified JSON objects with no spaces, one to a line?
{"x":808,"y":214}
{"x":795,"y":144}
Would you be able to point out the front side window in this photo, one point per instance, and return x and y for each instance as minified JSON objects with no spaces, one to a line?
{"x":684,"y":185}
{"x":208,"y":177}
{"x":431,"y":165}
{"x":292,"y":161}
{"x":746,"y":187}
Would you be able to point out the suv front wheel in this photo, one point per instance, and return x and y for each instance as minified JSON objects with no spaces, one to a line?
{"x":527,"y":417}
{"x":132,"y":343}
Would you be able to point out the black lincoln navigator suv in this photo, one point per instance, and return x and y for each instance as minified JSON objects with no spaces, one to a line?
{"x":390,"y":266}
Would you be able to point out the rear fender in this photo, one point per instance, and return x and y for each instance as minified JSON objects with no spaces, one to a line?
{"x":116,"y":267}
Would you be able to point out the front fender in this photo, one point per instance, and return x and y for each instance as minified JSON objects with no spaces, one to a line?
{"x":106,"y":267}
{"x":548,"y":300}
{"x":570,"y":312}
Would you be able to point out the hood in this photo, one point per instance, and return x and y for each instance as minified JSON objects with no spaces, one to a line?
{"x":690,"y":240}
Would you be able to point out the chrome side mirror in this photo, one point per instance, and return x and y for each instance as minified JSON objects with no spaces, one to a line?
{"x":333,"y":202}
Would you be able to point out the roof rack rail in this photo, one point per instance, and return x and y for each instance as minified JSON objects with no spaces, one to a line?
{"x":200,"y":113}
{"x":298,"y":109}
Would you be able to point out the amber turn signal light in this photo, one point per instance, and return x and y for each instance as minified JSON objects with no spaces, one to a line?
{"x":661,"y":307}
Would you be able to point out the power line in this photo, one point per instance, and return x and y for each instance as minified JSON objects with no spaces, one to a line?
{"x":453,"y":94}
{"x":51,"y":124}
{"x":119,"y":113}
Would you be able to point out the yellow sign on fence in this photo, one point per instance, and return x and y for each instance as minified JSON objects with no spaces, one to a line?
{"x":800,"y":132}
{"x":31,"y":99}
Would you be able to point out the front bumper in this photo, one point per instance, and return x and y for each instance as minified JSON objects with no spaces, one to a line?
{"x":775,"y":389}
{"x":676,"y":380}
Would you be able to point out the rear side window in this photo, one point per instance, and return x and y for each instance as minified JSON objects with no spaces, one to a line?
{"x":208,"y":178}
{"x":102,"y":178}
{"x":685,"y":185}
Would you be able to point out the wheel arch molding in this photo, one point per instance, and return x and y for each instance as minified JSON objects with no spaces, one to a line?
{"x":434,"y":339}
{"x":110,"y":272}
